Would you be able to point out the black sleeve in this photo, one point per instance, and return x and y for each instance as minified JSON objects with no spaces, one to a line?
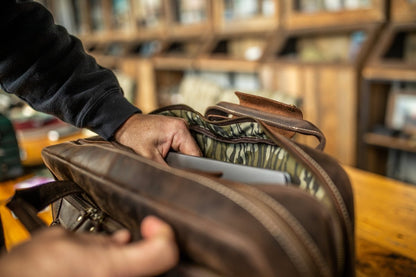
{"x":49,"y":69}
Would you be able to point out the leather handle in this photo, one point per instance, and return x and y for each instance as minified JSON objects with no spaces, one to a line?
{"x":26,"y":203}
{"x":224,"y":109}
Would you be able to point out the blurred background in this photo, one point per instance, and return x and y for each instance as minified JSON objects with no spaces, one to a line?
{"x":350,"y":65}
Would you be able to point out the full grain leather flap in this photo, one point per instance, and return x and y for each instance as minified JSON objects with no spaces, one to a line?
{"x":268,"y":105}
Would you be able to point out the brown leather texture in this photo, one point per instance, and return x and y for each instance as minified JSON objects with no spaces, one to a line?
{"x":129,"y":187}
{"x":231,"y":229}
{"x":270,"y":106}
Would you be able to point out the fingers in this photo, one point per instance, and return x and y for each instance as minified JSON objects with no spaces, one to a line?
{"x":155,"y":254}
{"x":152,"y":227}
{"x":57,"y":252}
{"x":121,"y":237}
{"x":184,"y":142}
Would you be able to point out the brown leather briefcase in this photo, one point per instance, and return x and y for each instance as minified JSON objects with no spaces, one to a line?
{"x":303,"y":226}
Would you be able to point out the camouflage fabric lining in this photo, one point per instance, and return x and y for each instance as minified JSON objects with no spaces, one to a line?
{"x":246,"y":143}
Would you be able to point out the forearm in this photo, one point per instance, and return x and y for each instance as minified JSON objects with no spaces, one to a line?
{"x":45,"y":66}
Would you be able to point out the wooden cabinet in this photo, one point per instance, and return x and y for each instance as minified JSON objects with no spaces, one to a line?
{"x":318,"y":58}
{"x":387,"y":103}
{"x":389,"y":80}
{"x":233,"y":48}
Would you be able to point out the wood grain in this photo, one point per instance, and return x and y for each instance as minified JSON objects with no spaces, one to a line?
{"x":329,"y":96}
{"x":385,"y":212}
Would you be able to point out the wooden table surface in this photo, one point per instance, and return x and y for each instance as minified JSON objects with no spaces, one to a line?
{"x":385,"y":213}
{"x":385,"y":224}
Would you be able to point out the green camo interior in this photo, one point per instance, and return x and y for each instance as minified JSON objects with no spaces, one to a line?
{"x":246,"y":143}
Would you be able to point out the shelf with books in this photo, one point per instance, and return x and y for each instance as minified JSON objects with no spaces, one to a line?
{"x":181,"y":54}
{"x":149,"y":18}
{"x":299,"y":14}
{"x":235,"y":52}
{"x":104,"y":20}
{"x":387,"y":104}
{"x":233,"y":16}
{"x":202,"y":88}
{"x":216,"y":61}
{"x":223,"y":64}
{"x":331,"y":45}
{"x":189,"y":18}
{"x":311,"y":54}
{"x":173,"y":35}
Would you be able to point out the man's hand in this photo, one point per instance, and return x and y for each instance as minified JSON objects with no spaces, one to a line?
{"x":152,"y":136}
{"x":57,"y":252}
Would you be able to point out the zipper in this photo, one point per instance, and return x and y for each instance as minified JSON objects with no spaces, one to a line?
{"x":304,"y":238}
{"x":88,"y":212}
{"x":275,"y":225}
{"x":321,"y":175}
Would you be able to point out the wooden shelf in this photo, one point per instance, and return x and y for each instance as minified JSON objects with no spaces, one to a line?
{"x":259,"y":19}
{"x":286,"y":48}
{"x":226,"y":64}
{"x":402,"y":11}
{"x":294,"y":18}
{"x":180,"y":54}
{"x":390,"y":142}
{"x":329,"y":89}
{"x":189,"y":19}
{"x":149,"y":18}
{"x":391,"y":71}
{"x":387,"y":60}
{"x":173,"y":63}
